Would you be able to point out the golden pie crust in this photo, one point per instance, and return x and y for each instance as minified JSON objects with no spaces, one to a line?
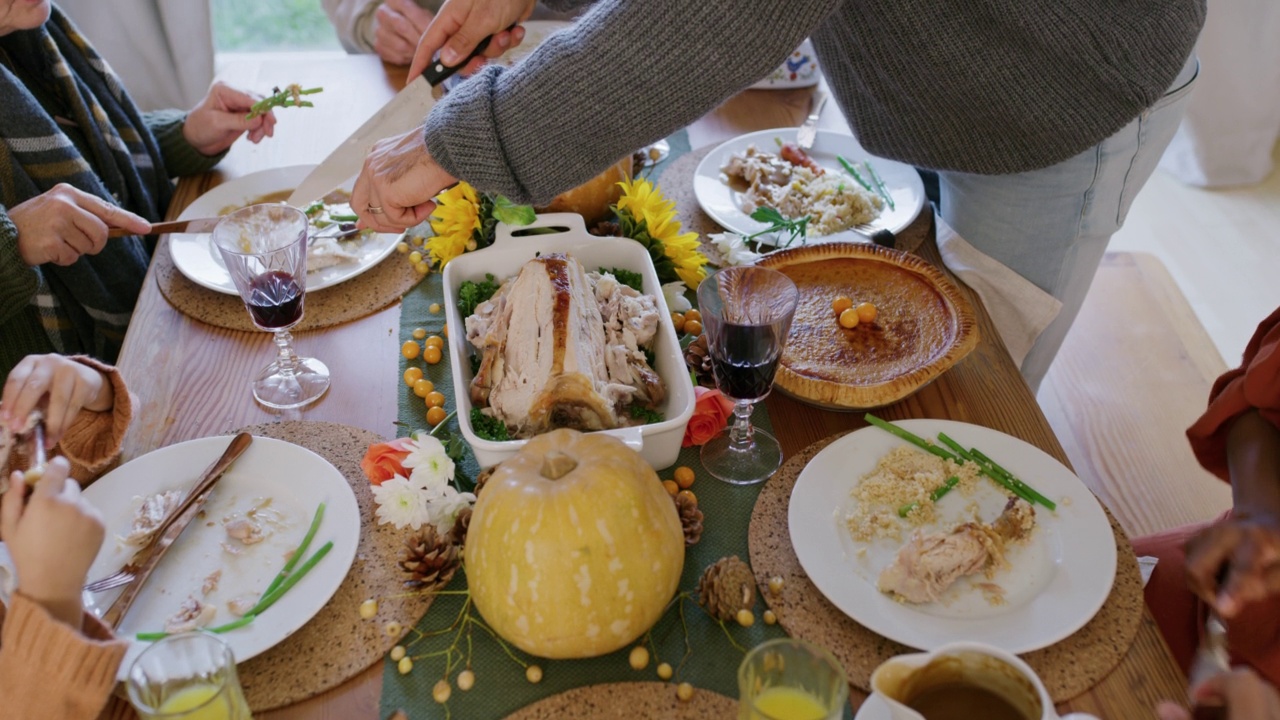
{"x":923,"y":325}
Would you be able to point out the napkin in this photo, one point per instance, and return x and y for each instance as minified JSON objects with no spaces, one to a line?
{"x":1019,"y":309}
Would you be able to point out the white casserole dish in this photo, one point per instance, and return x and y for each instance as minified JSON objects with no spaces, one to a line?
{"x":659,"y":443}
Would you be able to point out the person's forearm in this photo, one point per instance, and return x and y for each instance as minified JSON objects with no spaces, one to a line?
{"x":18,"y":281}
{"x":1253,"y":455}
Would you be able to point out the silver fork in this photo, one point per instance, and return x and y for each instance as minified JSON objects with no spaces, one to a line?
{"x":808,"y":131}
{"x":114,"y":580}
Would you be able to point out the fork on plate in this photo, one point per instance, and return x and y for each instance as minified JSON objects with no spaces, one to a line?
{"x":808,"y":131}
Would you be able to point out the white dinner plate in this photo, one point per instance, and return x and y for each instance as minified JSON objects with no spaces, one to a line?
{"x":724,"y":204}
{"x":196,"y":257}
{"x":1056,"y":583}
{"x":294,"y":478}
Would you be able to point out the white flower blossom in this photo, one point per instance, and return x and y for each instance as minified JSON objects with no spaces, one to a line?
{"x":733,"y":247}
{"x":674,"y":294}
{"x":401,"y":504}
{"x":445,"y":507}
{"x":431,"y":467}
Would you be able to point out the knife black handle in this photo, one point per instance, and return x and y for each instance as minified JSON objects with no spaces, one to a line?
{"x":437,"y":72}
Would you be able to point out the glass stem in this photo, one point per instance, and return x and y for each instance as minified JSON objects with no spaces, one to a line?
{"x":741,"y":434}
{"x":286,"y":358}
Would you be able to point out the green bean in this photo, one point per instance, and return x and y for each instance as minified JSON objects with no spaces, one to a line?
{"x":269,"y":600}
{"x":935,"y":496}
{"x":880,"y":188}
{"x":1028,"y":491}
{"x":849,"y":168}
{"x":910,"y":437}
{"x":297,"y":554}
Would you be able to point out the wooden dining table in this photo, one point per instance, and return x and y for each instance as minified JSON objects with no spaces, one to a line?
{"x":191,"y":379}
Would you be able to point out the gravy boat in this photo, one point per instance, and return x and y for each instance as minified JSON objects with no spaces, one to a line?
{"x":982,"y":666}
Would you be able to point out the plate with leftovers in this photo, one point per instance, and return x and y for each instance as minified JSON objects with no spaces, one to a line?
{"x":765,"y":169}
{"x":329,"y":261}
{"x":255,"y":520}
{"x":927,"y":551}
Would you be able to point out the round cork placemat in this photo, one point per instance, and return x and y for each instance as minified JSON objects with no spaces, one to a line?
{"x":362,"y":295}
{"x":1067,"y":668}
{"x":337,"y":644}
{"x":676,"y":183}
{"x":613,"y":701}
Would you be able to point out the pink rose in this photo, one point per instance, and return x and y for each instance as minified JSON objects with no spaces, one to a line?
{"x":383,"y":461}
{"x":710,"y":411}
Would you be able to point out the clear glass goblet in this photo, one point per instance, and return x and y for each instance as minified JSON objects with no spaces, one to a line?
{"x":746,"y":314}
{"x":265,"y":250}
{"x":191,"y":676}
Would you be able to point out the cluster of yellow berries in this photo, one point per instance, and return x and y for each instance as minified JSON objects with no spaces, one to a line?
{"x":680,"y":484}
{"x":432,"y":351}
{"x":687,"y":323}
{"x":412,"y":245}
{"x":639,"y":660}
{"x":849,"y":315}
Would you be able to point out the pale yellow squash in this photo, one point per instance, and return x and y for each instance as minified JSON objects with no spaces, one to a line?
{"x":575,"y":548}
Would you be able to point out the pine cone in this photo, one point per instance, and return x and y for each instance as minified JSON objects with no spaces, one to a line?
{"x":429,"y":558}
{"x":726,"y":587}
{"x":690,"y":519}
{"x":698,"y":358}
{"x":607,"y":228}
{"x":458,"y":533}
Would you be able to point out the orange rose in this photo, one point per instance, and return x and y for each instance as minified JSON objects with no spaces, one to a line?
{"x":710,"y":411}
{"x":383,"y":461}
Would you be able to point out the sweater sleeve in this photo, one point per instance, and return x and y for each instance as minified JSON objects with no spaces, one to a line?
{"x":1255,"y":385}
{"x":626,"y":74}
{"x":49,"y":670}
{"x":92,"y":442}
{"x":18,"y":281}
{"x":353,"y":20}
{"x":180,"y":158}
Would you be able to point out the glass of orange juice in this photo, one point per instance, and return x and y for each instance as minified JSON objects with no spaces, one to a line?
{"x":789,"y":679}
{"x":191,"y":676}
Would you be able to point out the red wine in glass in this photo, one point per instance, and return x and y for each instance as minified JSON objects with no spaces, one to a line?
{"x":745,"y":368}
{"x":275,"y":300}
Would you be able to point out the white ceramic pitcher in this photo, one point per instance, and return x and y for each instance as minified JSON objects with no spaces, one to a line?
{"x":982,"y":665}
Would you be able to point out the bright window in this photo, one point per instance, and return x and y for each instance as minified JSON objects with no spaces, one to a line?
{"x":271,"y":25}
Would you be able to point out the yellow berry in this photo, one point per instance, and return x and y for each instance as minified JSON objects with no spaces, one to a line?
{"x":435,"y":398}
{"x":671,"y":486}
{"x":435,"y":341}
{"x":775,"y":584}
{"x":412,"y":375}
{"x":402,"y":247}
{"x":432,"y":355}
{"x":423,"y":387}
{"x":684,"y":476}
{"x":368,"y":609}
{"x":441,"y":692}
{"x":410,"y":349}
{"x":770,"y":618}
{"x":678,"y":320}
{"x":435,"y":416}
{"x":422,"y":266}
{"x":866,"y":312}
{"x":849,"y":318}
{"x":434,"y":309}
{"x":664,"y":671}
{"x":466,"y":680}
{"x":446,"y":329}
{"x":392,"y":629}
{"x":419,"y":333}
{"x":688,"y":494}
{"x":639,"y":657}
{"x":533,"y":674}
{"x":693,"y":315}
{"x":684,"y":691}
{"x":405,"y":666}
{"x":397,"y":653}
{"x":841,"y":304}
{"x":746,"y":618}
{"x":692,"y":327}
{"x":415,"y":257}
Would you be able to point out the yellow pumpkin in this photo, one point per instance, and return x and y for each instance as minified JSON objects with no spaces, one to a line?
{"x":592,"y":199}
{"x":574,"y":547}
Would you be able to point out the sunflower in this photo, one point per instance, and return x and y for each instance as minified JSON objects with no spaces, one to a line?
{"x":648,"y":217}
{"x":454,"y":222}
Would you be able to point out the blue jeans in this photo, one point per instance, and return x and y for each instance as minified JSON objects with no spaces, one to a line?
{"x":1052,"y":226}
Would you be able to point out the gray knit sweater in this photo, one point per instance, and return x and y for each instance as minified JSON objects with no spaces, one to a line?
{"x":980,"y":86}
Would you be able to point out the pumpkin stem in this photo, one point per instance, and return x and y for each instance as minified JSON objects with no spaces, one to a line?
{"x":556,"y":465}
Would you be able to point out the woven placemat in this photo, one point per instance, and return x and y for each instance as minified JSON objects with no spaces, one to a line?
{"x":337,"y":644}
{"x":1067,"y":668}
{"x":629,"y":700}
{"x":362,"y":295}
{"x":676,"y":182}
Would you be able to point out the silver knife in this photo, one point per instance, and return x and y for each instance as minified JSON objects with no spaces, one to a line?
{"x":406,"y":111}
{"x":199,"y":225}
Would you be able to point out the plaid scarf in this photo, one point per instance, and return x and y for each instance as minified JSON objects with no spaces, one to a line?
{"x":85,"y":307}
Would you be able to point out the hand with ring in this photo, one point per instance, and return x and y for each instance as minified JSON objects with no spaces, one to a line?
{"x":397,"y":183}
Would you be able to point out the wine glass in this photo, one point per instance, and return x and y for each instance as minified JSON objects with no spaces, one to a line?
{"x":265,"y":250}
{"x":746,"y":313}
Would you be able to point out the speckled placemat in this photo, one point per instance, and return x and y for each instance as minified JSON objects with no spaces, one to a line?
{"x":614,"y":701}
{"x":1067,"y":668}
{"x":337,"y":643}
{"x":362,"y":295}
{"x":676,"y":182}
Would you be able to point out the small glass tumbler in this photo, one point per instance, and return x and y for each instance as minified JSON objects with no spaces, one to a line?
{"x":265,"y":250}
{"x":191,"y":676}
{"x":746,"y":315}
{"x":789,"y":679}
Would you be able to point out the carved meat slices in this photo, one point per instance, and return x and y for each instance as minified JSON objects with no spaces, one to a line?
{"x":550,"y":359}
